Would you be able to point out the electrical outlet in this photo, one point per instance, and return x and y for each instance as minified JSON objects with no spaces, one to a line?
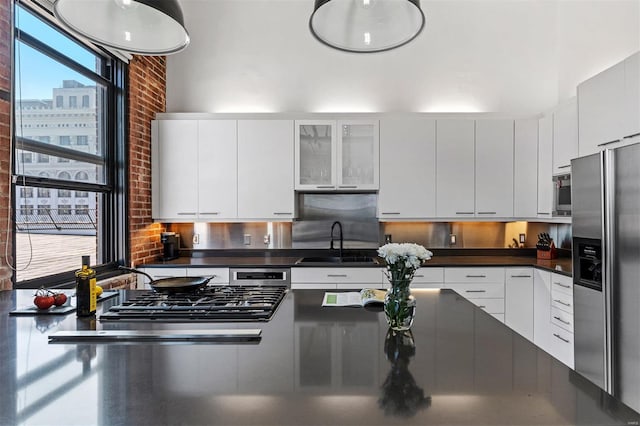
{"x":452,"y":239}
{"x":388,"y":238}
{"x":247,"y":239}
{"x":267,"y":239}
{"x":522,"y":238}
{"x":196,"y":239}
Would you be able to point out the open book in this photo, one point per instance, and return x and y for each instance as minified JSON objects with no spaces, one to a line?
{"x":363,"y":297}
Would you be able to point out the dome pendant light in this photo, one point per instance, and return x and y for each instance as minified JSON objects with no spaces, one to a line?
{"x":144,"y":27}
{"x":365,"y":26}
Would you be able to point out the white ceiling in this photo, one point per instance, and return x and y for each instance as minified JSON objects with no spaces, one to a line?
{"x":507,"y":56}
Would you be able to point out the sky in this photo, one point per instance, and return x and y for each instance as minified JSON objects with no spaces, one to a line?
{"x":36,"y":74}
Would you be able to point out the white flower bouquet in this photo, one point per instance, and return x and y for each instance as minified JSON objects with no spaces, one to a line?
{"x":403,"y":260}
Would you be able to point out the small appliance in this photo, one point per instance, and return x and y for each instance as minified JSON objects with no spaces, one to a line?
{"x":562,"y":195}
{"x":170,"y":245}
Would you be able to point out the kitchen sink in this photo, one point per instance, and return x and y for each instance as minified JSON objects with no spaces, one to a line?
{"x":337,"y":260}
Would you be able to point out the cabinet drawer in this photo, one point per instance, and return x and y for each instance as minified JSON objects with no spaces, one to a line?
{"x":562,"y":284}
{"x":562,"y":345}
{"x":562,"y":301}
{"x":474,"y":275}
{"x":478,"y":291}
{"x":518,"y":275}
{"x":220,"y":275}
{"x":493,"y":306}
{"x":429,"y":276}
{"x":366,"y":276}
{"x":562,"y":319}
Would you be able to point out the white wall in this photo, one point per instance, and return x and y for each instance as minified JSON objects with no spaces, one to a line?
{"x":513,"y":56}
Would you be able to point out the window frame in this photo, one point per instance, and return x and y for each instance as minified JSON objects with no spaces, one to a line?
{"x":113,"y":193}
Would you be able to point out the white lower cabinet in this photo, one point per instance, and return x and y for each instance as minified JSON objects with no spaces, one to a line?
{"x":336,"y":278}
{"x":482,"y":286}
{"x":426,"y":278}
{"x":553,"y":315}
{"x":519,"y":300}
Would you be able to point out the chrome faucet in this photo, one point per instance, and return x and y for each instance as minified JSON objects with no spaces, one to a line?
{"x":341,"y":239}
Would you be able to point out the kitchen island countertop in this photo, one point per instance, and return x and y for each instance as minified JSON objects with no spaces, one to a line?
{"x":312,"y":366}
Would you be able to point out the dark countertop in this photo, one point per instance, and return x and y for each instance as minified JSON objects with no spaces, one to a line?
{"x":561,"y":265}
{"x":313,"y":366}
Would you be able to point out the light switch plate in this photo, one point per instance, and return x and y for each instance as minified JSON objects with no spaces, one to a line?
{"x":247,"y":239}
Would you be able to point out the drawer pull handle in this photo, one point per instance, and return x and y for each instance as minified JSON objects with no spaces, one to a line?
{"x":337,"y":275}
{"x":325,"y":186}
{"x":210,"y":213}
{"x":464,"y":212}
{"x":631,"y":136}
{"x":348,"y":186}
{"x":609,"y":143}
{"x":487,"y":213}
{"x":562,"y":285}
{"x":520,"y":276}
{"x":544,"y":213}
{"x":476,"y":276}
{"x":482,"y":307}
{"x":186,"y":214}
{"x":475,"y":291}
{"x":282,"y":213}
{"x":561,"y":320}
{"x":390,"y":212}
{"x":561,"y":302}
{"x":561,"y":338}
{"x":564,"y":167}
{"x":418,"y":276}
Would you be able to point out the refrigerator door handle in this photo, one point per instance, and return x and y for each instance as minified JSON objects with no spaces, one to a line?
{"x":608,"y":253}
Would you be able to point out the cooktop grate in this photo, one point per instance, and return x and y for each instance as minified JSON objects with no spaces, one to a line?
{"x":210,"y":304}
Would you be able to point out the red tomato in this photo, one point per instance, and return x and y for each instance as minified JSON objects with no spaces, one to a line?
{"x":59,"y":299}
{"x":44,"y":302}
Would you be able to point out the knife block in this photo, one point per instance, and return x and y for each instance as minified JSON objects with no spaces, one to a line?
{"x":552,"y":253}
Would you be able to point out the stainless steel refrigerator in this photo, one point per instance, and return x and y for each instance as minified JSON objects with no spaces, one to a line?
{"x":605,"y":197}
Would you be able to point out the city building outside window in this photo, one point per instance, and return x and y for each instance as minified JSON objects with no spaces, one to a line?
{"x":26,"y":209}
{"x":76,"y":73}
{"x":26,"y":192}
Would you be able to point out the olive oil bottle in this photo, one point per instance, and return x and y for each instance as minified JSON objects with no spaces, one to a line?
{"x":85,"y":290}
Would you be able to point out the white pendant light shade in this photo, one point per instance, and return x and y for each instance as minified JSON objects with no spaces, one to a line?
{"x":366,"y":25}
{"x":145,"y":27}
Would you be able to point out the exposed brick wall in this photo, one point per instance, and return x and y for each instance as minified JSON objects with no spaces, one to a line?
{"x":147,"y":96}
{"x":5,"y":138}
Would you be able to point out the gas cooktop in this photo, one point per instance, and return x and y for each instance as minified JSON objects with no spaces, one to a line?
{"x":210,"y":304}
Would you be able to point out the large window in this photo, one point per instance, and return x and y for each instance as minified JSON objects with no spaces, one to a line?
{"x":66,"y":92}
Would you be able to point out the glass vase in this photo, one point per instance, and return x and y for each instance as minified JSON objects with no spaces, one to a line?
{"x":399,"y":306}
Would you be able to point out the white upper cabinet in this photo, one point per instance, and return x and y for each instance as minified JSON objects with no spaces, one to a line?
{"x":217,"y":169}
{"x":407,"y":155}
{"x":565,"y":136}
{"x":337,"y":155}
{"x":494,"y":168}
{"x":609,"y":106}
{"x":525,"y":171}
{"x":265,"y":169}
{"x":455,"y":180}
{"x":545,"y":168}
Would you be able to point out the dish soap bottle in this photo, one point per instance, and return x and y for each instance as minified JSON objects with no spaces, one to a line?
{"x":85,"y":290}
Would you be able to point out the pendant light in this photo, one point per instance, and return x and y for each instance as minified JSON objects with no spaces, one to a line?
{"x":144,"y":27}
{"x":365,"y":26}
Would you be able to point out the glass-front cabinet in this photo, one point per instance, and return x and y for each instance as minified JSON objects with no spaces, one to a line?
{"x":337,"y":155}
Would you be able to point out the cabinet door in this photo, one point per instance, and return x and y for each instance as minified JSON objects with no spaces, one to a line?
{"x":455,"y":177}
{"x":565,"y":136}
{"x":265,"y":169}
{"x":525,"y":171}
{"x":542,"y":331}
{"x":519,"y":301}
{"x":358,"y":155}
{"x":315,"y":154}
{"x":631,"y":107}
{"x":545,"y":183}
{"x":600,"y":111}
{"x":407,"y":154}
{"x":174,"y":169}
{"x":217,"y":170}
{"x":494,"y":168}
